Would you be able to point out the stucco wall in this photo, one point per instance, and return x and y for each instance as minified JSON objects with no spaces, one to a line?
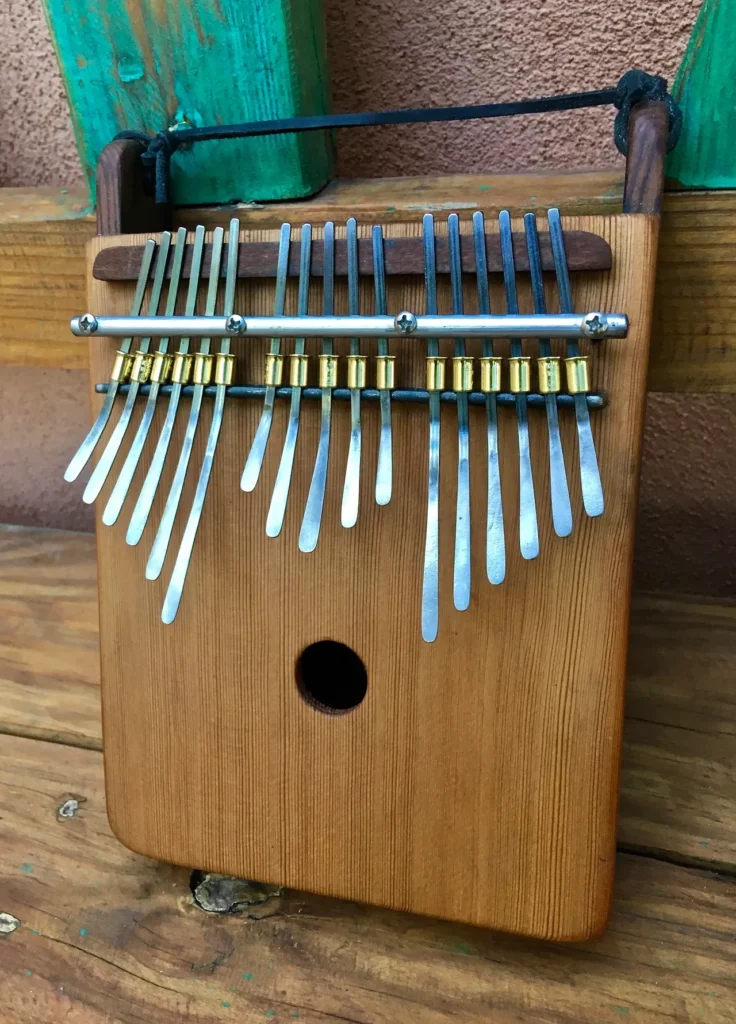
{"x":402,"y":53}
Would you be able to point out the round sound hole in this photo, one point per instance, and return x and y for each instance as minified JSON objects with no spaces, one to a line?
{"x":331,"y":677}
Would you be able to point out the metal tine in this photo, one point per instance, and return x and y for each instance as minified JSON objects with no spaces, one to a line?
{"x":99,"y":476}
{"x":559,"y":491}
{"x":178,"y":576}
{"x":89,"y":444}
{"x":461,"y":576}
{"x":590,"y":477}
{"x":280,"y":496}
{"x":253,"y":463}
{"x":163,"y":534}
{"x":143,"y":505}
{"x":431,"y":580}
{"x":384,"y":469}
{"x":124,"y":480}
{"x":495,"y":543}
{"x":309,"y":533}
{"x":351,"y":490}
{"x":528,"y":530}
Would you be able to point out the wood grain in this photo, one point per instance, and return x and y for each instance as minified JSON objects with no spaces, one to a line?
{"x":106,"y":935}
{"x":526,"y":827}
{"x":647,"y":145}
{"x":125,"y":199}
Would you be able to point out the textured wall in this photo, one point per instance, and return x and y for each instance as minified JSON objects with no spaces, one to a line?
{"x":386,"y":53}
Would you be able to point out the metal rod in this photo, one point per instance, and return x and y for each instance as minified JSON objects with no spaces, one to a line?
{"x":102,"y":469}
{"x":184,"y":555}
{"x":559,"y":491}
{"x":122,"y":484}
{"x":89,"y":444}
{"x":252,"y":468}
{"x":142,"y":509}
{"x":528,"y":531}
{"x":384,"y":467}
{"x":495,"y":542}
{"x":528,"y":325}
{"x":351,"y":489}
{"x":312,"y":521}
{"x":590,"y":477}
{"x":277,"y":509}
{"x":431,"y":581}
{"x":461,"y":574}
{"x":163,"y":535}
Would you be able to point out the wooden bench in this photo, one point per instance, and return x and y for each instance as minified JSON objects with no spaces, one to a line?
{"x":90,"y":932}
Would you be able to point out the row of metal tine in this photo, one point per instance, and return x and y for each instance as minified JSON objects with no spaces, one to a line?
{"x":311,"y":522}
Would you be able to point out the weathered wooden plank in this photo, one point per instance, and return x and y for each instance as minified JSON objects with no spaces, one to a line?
{"x":152,"y":67}
{"x":104,"y":934}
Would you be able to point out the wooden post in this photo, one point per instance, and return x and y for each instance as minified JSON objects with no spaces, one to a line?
{"x":150,"y":66}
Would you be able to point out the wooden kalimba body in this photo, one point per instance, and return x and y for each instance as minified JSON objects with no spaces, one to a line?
{"x":471,"y":774}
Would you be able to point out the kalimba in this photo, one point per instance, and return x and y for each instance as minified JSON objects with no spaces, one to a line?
{"x":364,"y":604}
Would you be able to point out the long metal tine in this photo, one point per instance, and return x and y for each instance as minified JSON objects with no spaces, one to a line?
{"x":163,"y":535}
{"x":178,"y":576}
{"x":559,"y":491}
{"x":253,"y":463}
{"x":312,"y":521}
{"x":590,"y":477}
{"x":351,"y":490}
{"x":122,"y":484}
{"x":384,"y":469}
{"x":102,"y":469}
{"x":82,"y":456}
{"x":461,"y":576}
{"x":495,"y":543}
{"x":431,"y":581}
{"x":143,"y":505}
{"x":528,"y":531}
{"x":280,"y":496}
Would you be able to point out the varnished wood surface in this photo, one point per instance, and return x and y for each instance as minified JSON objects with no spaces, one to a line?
{"x":647,"y":145}
{"x":506,"y":777}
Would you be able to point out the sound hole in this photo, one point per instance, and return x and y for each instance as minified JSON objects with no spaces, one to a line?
{"x":331,"y":677}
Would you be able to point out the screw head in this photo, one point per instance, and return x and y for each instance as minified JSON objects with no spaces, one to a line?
{"x":595,"y":325}
{"x":235,"y":324}
{"x":405,"y":322}
{"x":87,"y":323}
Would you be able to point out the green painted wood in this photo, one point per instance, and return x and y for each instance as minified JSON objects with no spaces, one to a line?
{"x":705,"y":87}
{"x":152,"y":64}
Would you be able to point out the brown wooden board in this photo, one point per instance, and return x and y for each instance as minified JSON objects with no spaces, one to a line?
{"x":490,"y":756}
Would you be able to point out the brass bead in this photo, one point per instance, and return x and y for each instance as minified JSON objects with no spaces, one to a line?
{"x":328,"y":366}
{"x":356,"y":371}
{"x":141,"y":369}
{"x":122,"y":366}
{"x":224,"y":368}
{"x":161,"y":367}
{"x":181,"y":371}
{"x":298,"y":370}
{"x":435,"y":373}
{"x":202,"y":369}
{"x":273,"y":373}
{"x":490,"y":374}
{"x":520,"y":375}
{"x":385,"y":372}
{"x":549,"y":374}
{"x":462,"y":373}
{"x":576,"y":370}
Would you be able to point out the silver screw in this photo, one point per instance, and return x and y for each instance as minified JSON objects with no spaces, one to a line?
{"x":235,"y":324}
{"x":595,"y":325}
{"x":405,"y":322}
{"x":87,"y":323}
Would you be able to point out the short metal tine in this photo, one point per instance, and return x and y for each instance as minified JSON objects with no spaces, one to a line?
{"x":590,"y":477}
{"x":280,"y":496}
{"x":253,"y":463}
{"x":103,"y":467}
{"x":431,"y":581}
{"x":495,"y":543}
{"x":122,"y":484}
{"x":384,"y":469}
{"x":351,"y":490}
{"x":312,"y":521}
{"x":163,"y":535}
{"x":461,"y":576}
{"x":559,"y":491}
{"x":223,"y":375}
{"x":528,"y":530}
{"x":89,"y":444}
{"x":142,"y":509}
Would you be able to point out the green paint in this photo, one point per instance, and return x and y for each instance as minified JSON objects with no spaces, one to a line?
{"x":463,"y":947}
{"x":484,"y":188}
{"x":28,"y":974}
{"x":148,"y":65}
{"x":27,"y":869}
{"x":83,"y":932}
{"x":33,"y":931}
{"x":225,"y":1003}
{"x":621,"y":1009}
{"x":270,"y":1013}
{"x":705,"y":842}
{"x":705,"y":88}
{"x":248,"y":977}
